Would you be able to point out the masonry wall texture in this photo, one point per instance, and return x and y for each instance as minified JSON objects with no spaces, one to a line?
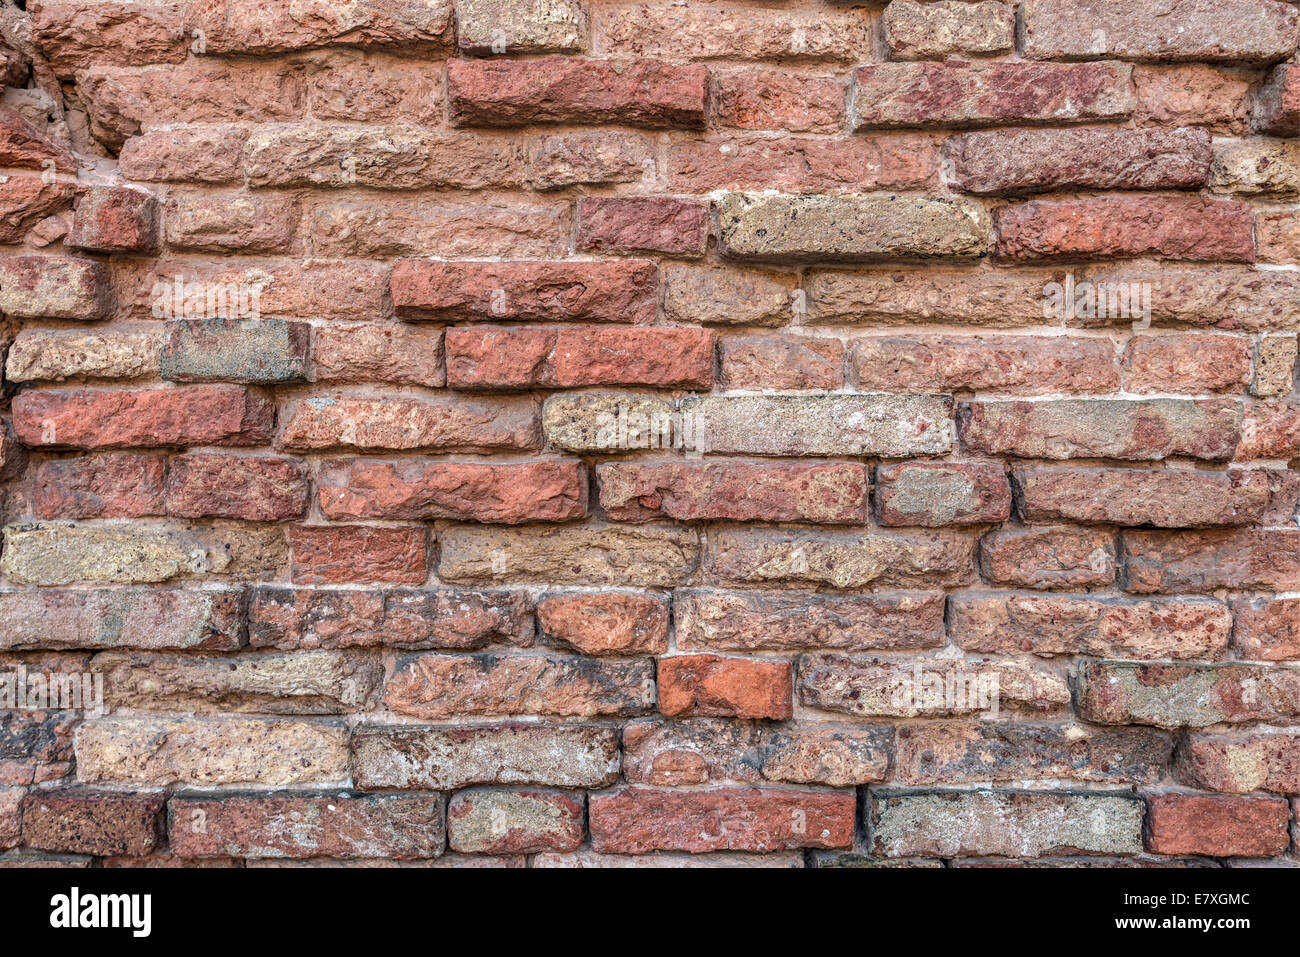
{"x":578,"y":433}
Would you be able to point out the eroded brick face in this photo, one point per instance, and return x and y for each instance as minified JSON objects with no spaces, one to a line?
{"x":583,"y":433}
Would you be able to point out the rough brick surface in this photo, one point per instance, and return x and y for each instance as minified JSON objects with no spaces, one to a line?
{"x":646,"y":433}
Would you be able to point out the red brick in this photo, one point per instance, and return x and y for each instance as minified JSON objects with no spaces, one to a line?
{"x":23,"y":146}
{"x":73,"y":33}
{"x":1192,"y":94}
{"x":606,"y":623}
{"x":763,"y":99}
{"x":120,"y":418}
{"x":209,"y":153}
{"x":402,"y":423}
{"x":1266,"y":629}
{"x":111,"y":219}
{"x":444,"y":686}
{"x":714,"y":686}
{"x":568,"y":90}
{"x":1024,"y":365}
{"x":248,"y":26}
{"x":395,"y":826}
{"x":1277,"y":102}
{"x":378,"y":352}
{"x":592,"y":157}
{"x":735,"y":491}
{"x":1217,"y":826}
{"x":1187,"y":363}
{"x":343,"y":554}
{"x":498,"y":357}
{"x":1166,"y":498}
{"x":933,"y":31}
{"x":26,"y":200}
{"x":252,"y":488}
{"x":414,"y":489}
{"x":1269,"y":430}
{"x":235,"y":222}
{"x":934,"y":495}
{"x":110,"y":485}
{"x":103,"y":823}
{"x":1034,"y":161}
{"x":958,"y":94}
{"x":780,"y":362}
{"x":640,"y":820}
{"x":674,"y":227}
{"x":617,"y":291}
{"x":1199,"y":229}
{"x":804,"y":164}
{"x":514,"y":822}
{"x":1240,"y":763}
{"x":1203,"y":561}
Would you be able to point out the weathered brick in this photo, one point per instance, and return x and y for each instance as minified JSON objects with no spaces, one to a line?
{"x":996,"y":752}
{"x":736,"y":491}
{"x":605,"y":623}
{"x":235,"y":350}
{"x":718,"y":859}
{"x":25,"y":201}
{"x":840,"y":559}
{"x":703,"y":750}
{"x":23,"y":146}
{"x":378,"y":352}
{"x":491,"y":26}
{"x":614,"y":291}
{"x":388,"y":157}
{"x":246,"y":26}
{"x":382,"y":228}
{"x":253,"y":488}
{"x":899,"y":297}
{"x":514,"y":822}
{"x":101,"y":418}
{"x":303,"y":682}
{"x":1217,"y":826}
{"x":1275,"y":360}
{"x":208,"y":620}
{"x":1193,"y":95}
{"x":934,"y":687}
{"x":35,"y":746}
{"x":443,"y":686}
{"x":1003,"y":823}
{"x":741,"y":621}
{"x":1026,"y":365}
{"x":501,"y":357}
{"x":303,"y":618}
{"x":804,"y":164}
{"x":106,"y":485}
{"x":157,"y":752}
{"x":637,"y":820}
{"x":959,"y":94}
{"x":342,"y":554}
{"x":707,"y":32}
{"x":11,"y":816}
{"x":469,"y":491}
{"x":1239,"y":763}
{"x":933,"y":31}
{"x":1126,"y":429}
{"x":1183,"y":696}
{"x":1269,"y":429}
{"x":567,"y":90}
{"x":206,"y":153}
{"x":850,"y":228}
{"x":103,"y":823}
{"x":1266,"y":629}
{"x":1194,"y":363}
{"x":1203,"y":561}
{"x":631,"y":556}
{"x":1255,"y":167}
{"x":765,"y":99}
{"x":723,"y":295}
{"x":780,"y":362}
{"x":934,"y":495}
{"x":874,"y":425}
{"x":1040,"y":161}
{"x":402,"y":423}
{"x":1011,"y":623}
{"x":1206,"y":30}
{"x":53,"y":355}
{"x":592,"y":157}
{"x":74,"y":33}
{"x":49,"y":287}
{"x":1185,"y":228}
{"x":390,"y":826}
{"x":566,"y":755}
{"x":62,"y":553}
{"x":715,"y":686}
{"x":1276,"y":108}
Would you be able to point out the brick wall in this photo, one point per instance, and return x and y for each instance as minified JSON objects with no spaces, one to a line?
{"x":556,"y":432}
